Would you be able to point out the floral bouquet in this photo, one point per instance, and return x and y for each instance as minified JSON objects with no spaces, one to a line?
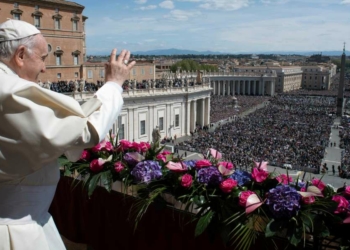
{"x":235,"y":204}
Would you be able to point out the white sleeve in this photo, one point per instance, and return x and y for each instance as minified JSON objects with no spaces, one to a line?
{"x":111,"y":98}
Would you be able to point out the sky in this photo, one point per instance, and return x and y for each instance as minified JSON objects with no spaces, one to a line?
{"x":229,"y":26}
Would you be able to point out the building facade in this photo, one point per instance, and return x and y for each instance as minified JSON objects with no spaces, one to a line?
{"x":175,"y":111}
{"x":62,"y":24}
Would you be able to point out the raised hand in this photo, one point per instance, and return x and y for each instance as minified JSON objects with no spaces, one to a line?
{"x":118,"y":70}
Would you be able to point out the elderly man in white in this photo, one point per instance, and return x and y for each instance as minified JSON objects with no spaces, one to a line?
{"x":36,"y":127}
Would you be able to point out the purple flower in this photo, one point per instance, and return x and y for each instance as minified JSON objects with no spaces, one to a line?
{"x":209,"y":176}
{"x":190,"y":163}
{"x":132,"y":159}
{"x":283,"y":201}
{"x":242,"y":177}
{"x":147,"y":171}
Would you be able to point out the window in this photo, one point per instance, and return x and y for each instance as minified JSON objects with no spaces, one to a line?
{"x":37,"y":21}
{"x":75,"y":25}
{"x":315,"y":77}
{"x":56,"y":10}
{"x":142,"y":71}
{"x":17,"y":16}
{"x":134,"y":72}
{"x":90,"y":74}
{"x":151,"y":71}
{"x":76,"y":74}
{"x":58,"y":60}
{"x":76,"y":59}
{"x":59,"y":75}
{"x":142,"y":127}
{"x":15,"y":5}
{"x":160,"y":124}
{"x":102,"y":73}
{"x":177,"y":120}
{"x":49,"y":48}
{"x":57,"y":23}
{"x":120,"y":129}
{"x":36,"y":7}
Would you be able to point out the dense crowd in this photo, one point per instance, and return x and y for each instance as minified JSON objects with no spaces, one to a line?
{"x":296,"y":133}
{"x":223,"y":107}
{"x":344,"y":134}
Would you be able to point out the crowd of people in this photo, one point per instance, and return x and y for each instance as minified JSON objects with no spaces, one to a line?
{"x":296,"y":133}
{"x":223,"y":107}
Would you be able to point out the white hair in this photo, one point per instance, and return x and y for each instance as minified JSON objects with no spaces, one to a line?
{"x":8,"y":48}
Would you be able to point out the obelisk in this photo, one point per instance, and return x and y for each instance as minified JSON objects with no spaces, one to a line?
{"x":340,"y":99}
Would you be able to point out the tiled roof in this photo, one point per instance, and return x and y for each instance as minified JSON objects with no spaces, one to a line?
{"x":64,"y":3}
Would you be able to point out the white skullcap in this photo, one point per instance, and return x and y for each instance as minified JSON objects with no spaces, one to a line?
{"x":16,"y":29}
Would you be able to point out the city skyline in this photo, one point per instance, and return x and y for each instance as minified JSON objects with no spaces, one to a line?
{"x":228,"y":26}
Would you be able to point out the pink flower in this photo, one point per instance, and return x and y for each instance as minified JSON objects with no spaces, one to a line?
{"x":243,"y":197}
{"x":259,"y":175}
{"x":227,"y":165}
{"x":186,"y":180}
{"x":96,"y":165}
{"x":144,"y":146}
{"x":176,"y":166}
{"x":347,"y":190}
{"x":103,"y":145}
{"x":316,"y":182}
{"x":203,"y":163}
{"x":227,"y":185}
{"x":165,"y":152}
{"x":125,"y":145}
{"x":161,"y":157}
{"x":118,"y":166}
{"x":283,"y":178}
{"x":85,"y":155}
{"x":216,"y":154}
{"x":308,"y":200}
{"x":343,"y":204}
{"x":136,"y":146}
{"x":261,"y":165}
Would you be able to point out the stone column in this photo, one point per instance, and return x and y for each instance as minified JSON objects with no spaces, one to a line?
{"x":129,"y":129}
{"x":239,"y":87}
{"x":200,"y":114}
{"x":188,"y":118}
{"x":207,"y":111}
{"x":228,"y":87}
{"x":183,"y":119}
{"x":151,"y":122}
{"x":223,"y":87}
{"x":193,"y":115}
{"x":263,"y":88}
{"x":168,"y":122}
{"x":248,"y":86}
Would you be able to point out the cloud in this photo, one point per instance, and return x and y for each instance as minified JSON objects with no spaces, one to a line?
{"x":140,"y":1}
{"x":345,"y":2}
{"x":181,"y":15}
{"x":224,"y":4}
{"x":149,"y":7}
{"x":274,"y":1}
{"x":167,"y":4}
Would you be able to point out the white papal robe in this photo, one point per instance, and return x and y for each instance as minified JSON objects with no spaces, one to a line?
{"x":36,"y":126}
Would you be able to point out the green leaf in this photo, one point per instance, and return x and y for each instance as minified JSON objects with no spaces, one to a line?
{"x":107,"y":180}
{"x":63,"y":161}
{"x":270,"y":231}
{"x":199,"y":200}
{"x":92,"y":181}
{"x":203,"y":222}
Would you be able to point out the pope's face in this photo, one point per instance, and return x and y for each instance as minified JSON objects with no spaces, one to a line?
{"x":34,"y":60}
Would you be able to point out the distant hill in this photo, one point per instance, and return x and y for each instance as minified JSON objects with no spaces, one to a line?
{"x":169,"y":52}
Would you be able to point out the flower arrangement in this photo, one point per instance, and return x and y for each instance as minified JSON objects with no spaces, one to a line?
{"x":235,"y":204}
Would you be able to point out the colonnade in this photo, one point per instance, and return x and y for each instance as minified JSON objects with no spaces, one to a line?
{"x":243,"y":87}
{"x":197,"y":113}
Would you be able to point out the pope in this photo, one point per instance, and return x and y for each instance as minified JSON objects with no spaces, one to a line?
{"x":36,"y":127}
